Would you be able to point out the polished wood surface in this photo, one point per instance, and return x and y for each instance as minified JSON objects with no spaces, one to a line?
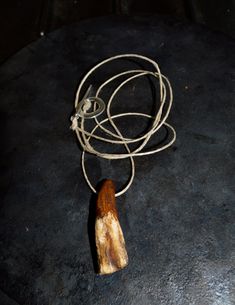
{"x":110,"y":243}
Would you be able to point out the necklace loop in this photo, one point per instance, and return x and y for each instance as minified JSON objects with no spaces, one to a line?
{"x":86,"y":104}
{"x":116,"y":137}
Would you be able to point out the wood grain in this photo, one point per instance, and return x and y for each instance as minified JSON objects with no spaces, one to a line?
{"x":110,"y":243}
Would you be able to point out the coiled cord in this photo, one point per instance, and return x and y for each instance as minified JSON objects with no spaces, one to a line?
{"x":159,"y":119}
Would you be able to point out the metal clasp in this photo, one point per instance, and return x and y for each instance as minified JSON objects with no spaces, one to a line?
{"x":88,"y":102}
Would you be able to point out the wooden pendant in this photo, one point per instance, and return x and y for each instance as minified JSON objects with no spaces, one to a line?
{"x":110,"y":243}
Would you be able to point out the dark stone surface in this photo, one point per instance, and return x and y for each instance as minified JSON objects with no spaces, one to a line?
{"x":178,"y":216}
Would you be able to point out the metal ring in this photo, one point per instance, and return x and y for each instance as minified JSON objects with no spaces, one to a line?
{"x":90,"y":115}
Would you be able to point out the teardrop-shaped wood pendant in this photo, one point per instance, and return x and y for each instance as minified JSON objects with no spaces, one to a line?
{"x":110,"y":243}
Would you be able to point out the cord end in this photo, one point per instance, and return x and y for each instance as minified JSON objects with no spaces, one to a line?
{"x":74,"y":124}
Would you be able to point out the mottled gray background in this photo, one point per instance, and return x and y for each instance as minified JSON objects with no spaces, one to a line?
{"x":178,"y":216}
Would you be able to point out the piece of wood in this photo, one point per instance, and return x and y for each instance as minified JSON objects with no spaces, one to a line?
{"x":110,"y":243}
